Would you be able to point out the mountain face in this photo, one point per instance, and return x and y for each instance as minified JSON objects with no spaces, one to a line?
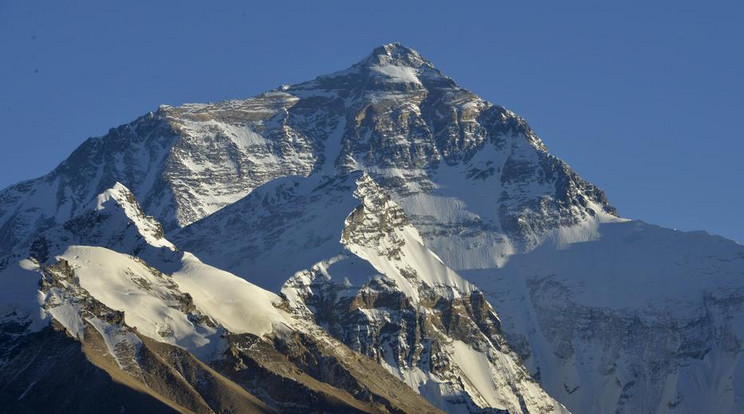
{"x":376,"y":240}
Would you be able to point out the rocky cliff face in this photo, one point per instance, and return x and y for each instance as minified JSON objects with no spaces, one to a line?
{"x":395,"y":211}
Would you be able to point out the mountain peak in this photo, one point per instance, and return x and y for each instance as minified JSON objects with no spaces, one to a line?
{"x":395,"y":54}
{"x":118,"y":194}
{"x":114,"y":219}
{"x":391,"y":66}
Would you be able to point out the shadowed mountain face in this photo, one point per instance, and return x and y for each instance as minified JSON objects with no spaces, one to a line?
{"x":346,"y":244}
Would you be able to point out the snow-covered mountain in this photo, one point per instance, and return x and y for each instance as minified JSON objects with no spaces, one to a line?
{"x":380,"y":214}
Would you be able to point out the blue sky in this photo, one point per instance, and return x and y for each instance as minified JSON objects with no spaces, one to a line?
{"x":644,"y":99}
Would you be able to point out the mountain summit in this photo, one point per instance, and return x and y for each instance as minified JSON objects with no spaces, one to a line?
{"x":399,"y":241}
{"x":395,"y":54}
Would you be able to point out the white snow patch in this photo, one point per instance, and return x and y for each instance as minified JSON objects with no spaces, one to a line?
{"x":239,"y":306}
{"x":395,"y":73}
{"x":148,"y":299}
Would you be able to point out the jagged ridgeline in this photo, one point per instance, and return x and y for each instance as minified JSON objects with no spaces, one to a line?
{"x":374,"y":240}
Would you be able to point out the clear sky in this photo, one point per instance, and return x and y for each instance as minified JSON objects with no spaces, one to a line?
{"x":644,"y":99}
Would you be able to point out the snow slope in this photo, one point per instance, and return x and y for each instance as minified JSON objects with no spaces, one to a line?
{"x":157,"y":305}
{"x":593,"y":318}
{"x":20,"y":298}
{"x":239,"y":306}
